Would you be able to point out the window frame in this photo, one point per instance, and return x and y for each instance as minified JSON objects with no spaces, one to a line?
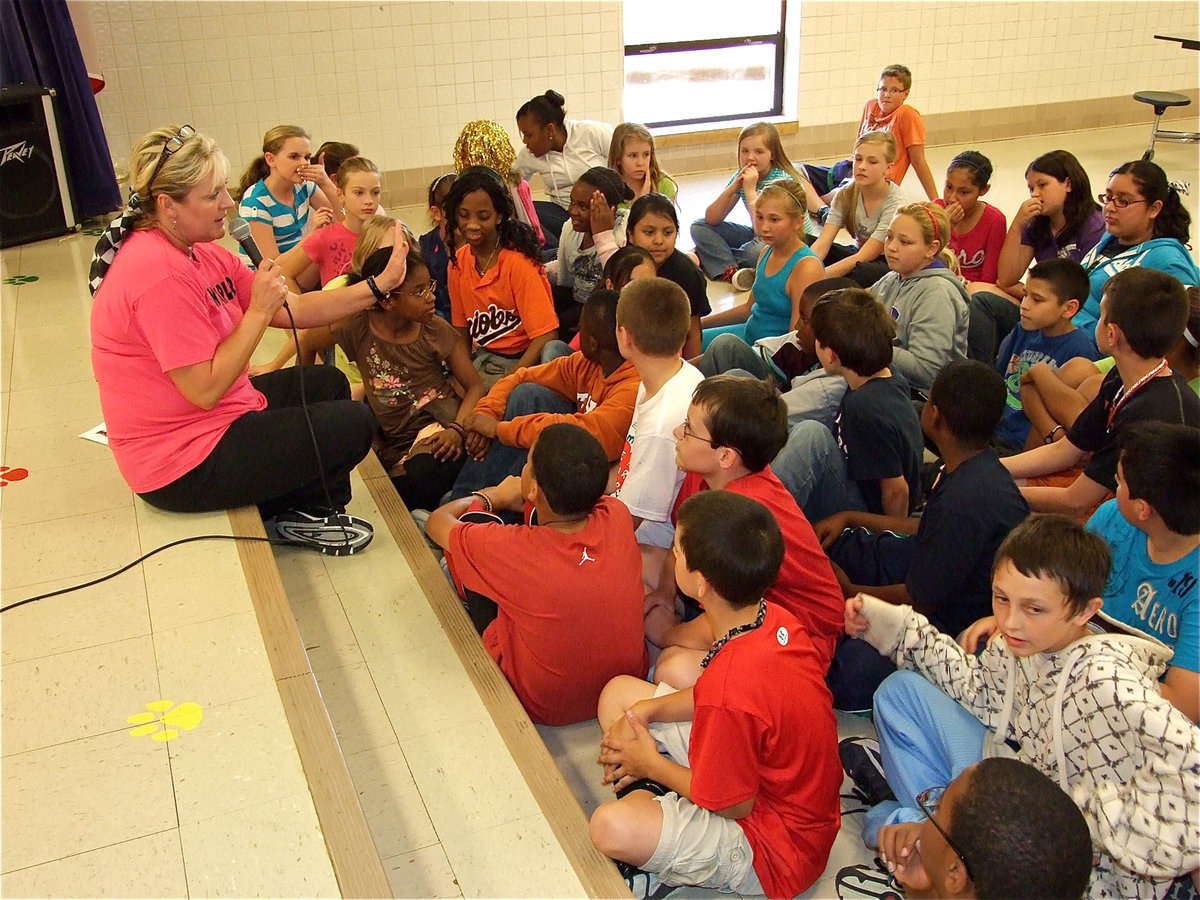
{"x":777,"y":39}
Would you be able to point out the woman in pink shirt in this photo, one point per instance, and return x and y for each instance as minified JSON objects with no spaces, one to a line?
{"x":175,"y":320}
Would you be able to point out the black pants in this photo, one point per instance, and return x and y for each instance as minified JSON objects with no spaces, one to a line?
{"x":552,"y":218}
{"x":426,"y":479}
{"x":864,"y":274}
{"x":992,"y":318}
{"x":266,"y":457}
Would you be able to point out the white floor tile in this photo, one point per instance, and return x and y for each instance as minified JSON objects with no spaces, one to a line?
{"x":55,"y":699}
{"x":114,"y":610}
{"x":78,"y":796}
{"x":64,"y":491}
{"x":214,"y":662}
{"x":422,"y":873}
{"x":63,"y":548}
{"x":390,"y":800}
{"x":272,"y":850}
{"x":240,"y":755}
{"x":150,"y":866}
{"x":512,"y":859}
{"x":467,"y":779}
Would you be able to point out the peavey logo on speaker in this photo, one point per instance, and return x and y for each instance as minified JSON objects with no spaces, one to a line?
{"x":491,"y":323}
{"x":15,"y":152}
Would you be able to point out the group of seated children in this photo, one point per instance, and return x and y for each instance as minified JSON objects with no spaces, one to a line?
{"x":686,"y":797}
{"x":755,"y":538}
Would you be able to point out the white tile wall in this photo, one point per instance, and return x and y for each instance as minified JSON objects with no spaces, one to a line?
{"x":389,"y":75}
{"x":967,"y":56}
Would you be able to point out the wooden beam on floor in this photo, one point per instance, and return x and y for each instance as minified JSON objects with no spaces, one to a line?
{"x":356,"y":863}
{"x":596,"y":872}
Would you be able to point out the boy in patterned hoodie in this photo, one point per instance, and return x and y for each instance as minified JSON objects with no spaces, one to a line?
{"x":1082,"y":707}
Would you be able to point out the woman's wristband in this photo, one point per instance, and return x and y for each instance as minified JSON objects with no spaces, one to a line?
{"x":379,"y":295}
{"x":484,"y":499}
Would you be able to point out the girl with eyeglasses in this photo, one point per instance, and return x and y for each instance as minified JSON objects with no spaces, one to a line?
{"x":175,"y":320}
{"x":403,"y":349}
{"x":1146,"y":226}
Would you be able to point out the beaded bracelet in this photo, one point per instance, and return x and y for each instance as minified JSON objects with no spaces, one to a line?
{"x":455,"y":427}
{"x":484,"y":499}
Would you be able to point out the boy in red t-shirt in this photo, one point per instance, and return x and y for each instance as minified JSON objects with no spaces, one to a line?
{"x":559,"y":602}
{"x":734,"y":427}
{"x":745,"y":798}
{"x":886,"y":112}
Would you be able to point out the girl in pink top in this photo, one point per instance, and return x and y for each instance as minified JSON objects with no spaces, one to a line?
{"x":325,"y":254}
{"x":977,"y":229}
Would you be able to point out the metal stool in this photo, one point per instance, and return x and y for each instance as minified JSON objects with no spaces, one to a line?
{"x":1161,"y":101}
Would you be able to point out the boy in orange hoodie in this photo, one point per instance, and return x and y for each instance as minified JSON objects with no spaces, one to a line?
{"x":595,"y":388}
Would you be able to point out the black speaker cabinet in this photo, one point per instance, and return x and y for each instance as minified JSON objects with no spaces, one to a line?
{"x":35,"y":196}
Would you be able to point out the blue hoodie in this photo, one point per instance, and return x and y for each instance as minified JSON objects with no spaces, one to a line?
{"x":1164,"y":254}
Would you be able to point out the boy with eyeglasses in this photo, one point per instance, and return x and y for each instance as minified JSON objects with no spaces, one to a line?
{"x":734,"y":427}
{"x":1001,"y":829}
{"x":1082,"y":707}
{"x":887,"y":111}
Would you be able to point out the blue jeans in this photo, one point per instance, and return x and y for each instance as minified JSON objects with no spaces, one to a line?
{"x":553,"y":350}
{"x":725,"y":245}
{"x":503,"y":460}
{"x":812,"y":467}
{"x":925,"y":740}
{"x":826,"y":178}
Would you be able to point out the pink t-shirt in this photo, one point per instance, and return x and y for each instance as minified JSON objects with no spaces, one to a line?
{"x":330,"y":248}
{"x":158,"y":310}
{"x":978,"y":250}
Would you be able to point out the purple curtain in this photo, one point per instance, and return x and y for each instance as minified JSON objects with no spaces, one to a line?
{"x":38,"y":46}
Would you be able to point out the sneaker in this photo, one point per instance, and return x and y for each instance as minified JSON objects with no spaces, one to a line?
{"x":821,"y":216}
{"x":642,"y":884}
{"x":860,"y":760}
{"x":863,"y":882}
{"x":335,"y":534}
{"x":727,"y":275}
{"x":743,"y":279}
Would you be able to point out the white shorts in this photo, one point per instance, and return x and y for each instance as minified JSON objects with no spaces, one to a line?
{"x":697,"y":846}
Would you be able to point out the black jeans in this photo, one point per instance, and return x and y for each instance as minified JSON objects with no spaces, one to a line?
{"x":266,"y":457}
{"x":553,"y":217}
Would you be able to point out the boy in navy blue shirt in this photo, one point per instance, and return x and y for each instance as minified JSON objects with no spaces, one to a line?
{"x":872,"y":459}
{"x":1054,"y":292}
{"x":941,"y":563}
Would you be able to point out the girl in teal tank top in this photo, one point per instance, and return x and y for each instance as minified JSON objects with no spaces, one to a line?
{"x":771,"y":309}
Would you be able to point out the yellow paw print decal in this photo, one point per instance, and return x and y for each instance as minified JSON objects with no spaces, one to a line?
{"x":164,"y":720}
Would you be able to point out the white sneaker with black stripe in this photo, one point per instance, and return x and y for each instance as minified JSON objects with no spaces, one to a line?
{"x":334,"y":534}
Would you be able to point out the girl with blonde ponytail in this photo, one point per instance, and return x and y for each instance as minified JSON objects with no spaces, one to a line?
{"x":863,"y":206}
{"x":927,"y":298}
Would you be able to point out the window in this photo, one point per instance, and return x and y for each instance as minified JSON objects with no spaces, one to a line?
{"x":714,"y":68}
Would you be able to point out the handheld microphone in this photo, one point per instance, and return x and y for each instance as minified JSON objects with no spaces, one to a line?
{"x":239,"y":230}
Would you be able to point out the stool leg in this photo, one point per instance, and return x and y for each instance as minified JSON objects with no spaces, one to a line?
{"x":1149,"y":154}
